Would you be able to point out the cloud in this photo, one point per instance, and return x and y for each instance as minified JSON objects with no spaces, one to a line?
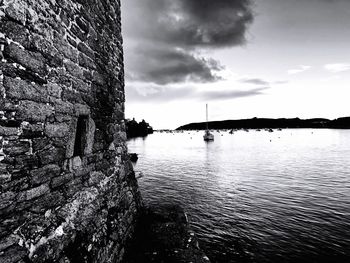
{"x":150,"y":93}
{"x":300,"y":69}
{"x":280,"y":82}
{"x":167,"y":37}
{"x":261,"y":82}
{"x":255,"y":81}
{"x":337,"y":67}
{"x":163,"y":66}
{"x":231,"y":94}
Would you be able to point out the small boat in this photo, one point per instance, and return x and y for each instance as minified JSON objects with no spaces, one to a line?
{"x":207,"y":135}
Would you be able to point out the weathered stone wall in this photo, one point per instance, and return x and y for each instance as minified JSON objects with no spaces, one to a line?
{"x":67,"y":189}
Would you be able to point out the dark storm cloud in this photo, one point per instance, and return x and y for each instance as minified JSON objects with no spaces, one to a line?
{"x":164,"y":65}
{"x":181,"y":28}
{"x":192,"y":22}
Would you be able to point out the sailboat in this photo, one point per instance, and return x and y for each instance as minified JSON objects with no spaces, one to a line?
{"x":207,"y":135}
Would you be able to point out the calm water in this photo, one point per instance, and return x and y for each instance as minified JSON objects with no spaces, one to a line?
{"x":255,"y":196}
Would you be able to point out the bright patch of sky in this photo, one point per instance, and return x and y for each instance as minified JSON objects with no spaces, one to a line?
{"x":291,"y":61}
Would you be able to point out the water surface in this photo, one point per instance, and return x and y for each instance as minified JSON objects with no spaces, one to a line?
{"x":255,"y":196}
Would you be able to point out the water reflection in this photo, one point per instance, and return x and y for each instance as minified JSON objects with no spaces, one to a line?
{"x":257,"y":196}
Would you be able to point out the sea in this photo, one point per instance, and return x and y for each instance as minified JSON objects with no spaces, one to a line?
{"x":254,"y":195}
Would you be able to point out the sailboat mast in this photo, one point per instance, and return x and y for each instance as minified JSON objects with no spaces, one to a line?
{"x":207,"y":116}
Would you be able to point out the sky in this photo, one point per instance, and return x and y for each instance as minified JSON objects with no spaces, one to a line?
{"x":245,"y":58}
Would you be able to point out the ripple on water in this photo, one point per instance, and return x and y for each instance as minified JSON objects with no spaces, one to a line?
{"x":252,"y":200}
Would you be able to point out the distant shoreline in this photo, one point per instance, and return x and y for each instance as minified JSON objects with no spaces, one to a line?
{"x":263,"y":123}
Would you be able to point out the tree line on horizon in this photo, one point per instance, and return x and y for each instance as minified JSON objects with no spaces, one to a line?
{"x":258,"y":123}
{"x":137,"y":129}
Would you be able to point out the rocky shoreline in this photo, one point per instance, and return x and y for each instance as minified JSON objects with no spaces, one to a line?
{"x":163,"y":234}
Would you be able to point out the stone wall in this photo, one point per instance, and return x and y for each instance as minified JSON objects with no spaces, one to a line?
{"x":67,"y":189}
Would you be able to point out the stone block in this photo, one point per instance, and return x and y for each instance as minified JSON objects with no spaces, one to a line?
{"x":96,"y":178}
{"x":46,"y":48}
{"x":88,"y":75}
{"x":50,"y":200}
{"x":58,"y":130}
{"x":98,"y":141}
{"x":5,"y":177}
{"x":86,"y":62}
{"x":62,"y":118}
{"x":17,"y":147}
{"x":15,"y":32}
{"x":6,"y":199}
{"x":33,"y":111}
{"x":78,"y":32}
{"x":44,"y":174}
{"x":61,"y":180}
{"x":59,"y":75}
{"x":8,"y":242}
{"x":72,"y":96}
{"x":73,"y":69}
{"x":14,"y":70}
{"x":54,"y":90}
{"x":16,"y":13}
{"x":74,"y":163}
{"x":40,"y":143}
{"x":118,"y":114}
{"x":23,"y":90}
{"x":102,"y":165}
{"x":63,"y":107}
{"x":99,"y":78}
{"x":28,"y":59}
{"x":16,"y":185}
{"x":64,"y":17}
{"x":89,"y":99}
{"x":73,"y":187}
{"x":51,"y":155}
{"x":14,"y":254}
{"x":86,"y":50}
{"x":120,"y":137}
{"x":71,"y":41}
{"x":65,"y":49}
{"x":30,"y":131}
{"x":83,"y":24}
{"x":93,"y":42}
{"x":26,"y":162}
{"x":80,"y":85}
{"x":81,"y":109}
{"x":34,"y":193}
{"x":8,"y":131}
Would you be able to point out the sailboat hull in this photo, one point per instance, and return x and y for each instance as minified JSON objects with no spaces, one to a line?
{"x":208,"y":137}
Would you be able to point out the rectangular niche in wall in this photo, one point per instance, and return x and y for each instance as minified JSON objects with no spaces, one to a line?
{"x":81,"y":136}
